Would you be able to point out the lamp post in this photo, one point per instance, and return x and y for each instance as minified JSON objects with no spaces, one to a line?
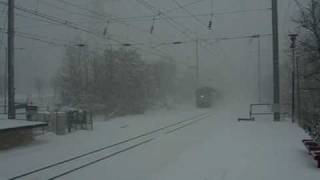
{"x":197,"y":62}
{"x":293,"y":38}
{"x":82,"y":45}
{"x":276,"y":79}
{"x":5,"y":85}
{"x":259,"y":69}
{"x":258,"y":37}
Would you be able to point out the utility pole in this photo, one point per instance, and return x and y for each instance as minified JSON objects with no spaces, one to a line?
{"x":259,"y":68}
{"x":298,"y":89}
{"x":293,"y":38}
{"x":11,"y":88}
{"x":5,"y":81}
{"x":197,"y":62}
{"x":276,"y":80}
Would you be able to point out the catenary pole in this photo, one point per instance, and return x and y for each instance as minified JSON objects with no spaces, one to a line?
{"x":11,"y":88}
{"x":293,"y":38}
{"x":276,"y":81}
{"x":197,"y":62}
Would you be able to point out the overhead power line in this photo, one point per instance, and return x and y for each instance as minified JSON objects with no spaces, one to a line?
{"x":177,"y":26}
{"x":188,"y":12}
{"x":56,"y":43}
{"x":113,"y":18}
{"x":55,"y":19}
{"x":183,"y":5}
{"x":50,"y":4}
{"x":150,"y":17}
{"x":237,"y":37}
{"x":75,"y":26}
{"x":173,"y":23}
{"x":110,"y":18}
{"x":157,"y":11}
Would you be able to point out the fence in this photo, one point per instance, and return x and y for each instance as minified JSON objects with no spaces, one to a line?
{"x":66,"y":122}
{"x":264,"y":110}
{"x":59,"y":122}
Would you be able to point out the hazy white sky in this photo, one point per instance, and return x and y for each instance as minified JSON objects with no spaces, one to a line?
{"x":225,"y":64}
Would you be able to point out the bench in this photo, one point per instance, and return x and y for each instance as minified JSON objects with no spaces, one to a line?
{"x":311,"y":145}
{"x":316,"y":156}
{"x":313,"y":149}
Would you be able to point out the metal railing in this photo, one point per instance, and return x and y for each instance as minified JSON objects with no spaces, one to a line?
{"x":269,"y":109}
{"x":252,"y":113}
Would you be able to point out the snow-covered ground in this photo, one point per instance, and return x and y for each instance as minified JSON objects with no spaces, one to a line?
{"x":50,"y":148}
{"x":217,"y":148}
{"x":261,"y":150}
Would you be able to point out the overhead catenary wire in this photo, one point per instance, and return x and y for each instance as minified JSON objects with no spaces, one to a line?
{"x":150,"y":17}
{"x":114,"y":18}
{"x":91,"y":16}
{"x":106,"y":18}
{"x":183,"y":5}
{"x":177,"y":26}
{"x":110,"y":17}
{"x":230,"y":12}
{"x":57,"y":20}
{"x":170,"y":18}
{"x":237,"y":37}
{"x":59,"y":43}
{"x":190,"y":13}
{"x":75,"y":26}
{"x":64,"y":23}
{"x":56,"y":43}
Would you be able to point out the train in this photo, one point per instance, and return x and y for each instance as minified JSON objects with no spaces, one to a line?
{"x":204,"y":97}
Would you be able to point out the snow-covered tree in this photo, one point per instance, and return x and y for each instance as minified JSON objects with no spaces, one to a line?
{"x":308,"y":52}
{"x":71,"y":78}
{"x":116,"y":81}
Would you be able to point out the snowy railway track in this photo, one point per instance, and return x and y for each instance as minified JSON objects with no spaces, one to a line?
{"x":67,"y":166}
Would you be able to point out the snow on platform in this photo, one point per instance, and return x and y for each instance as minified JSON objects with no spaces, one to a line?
{"x":17,"y":124}
{"x":260,"y":150}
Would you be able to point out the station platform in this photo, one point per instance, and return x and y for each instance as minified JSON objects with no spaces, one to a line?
{"x":8,"y":125}
{"x":17,"y":132}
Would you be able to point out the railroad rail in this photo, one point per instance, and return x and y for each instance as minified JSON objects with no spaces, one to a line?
{"x":58,"y":169}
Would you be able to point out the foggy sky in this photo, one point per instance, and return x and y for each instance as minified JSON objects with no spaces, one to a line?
{"x":227,"y":65}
